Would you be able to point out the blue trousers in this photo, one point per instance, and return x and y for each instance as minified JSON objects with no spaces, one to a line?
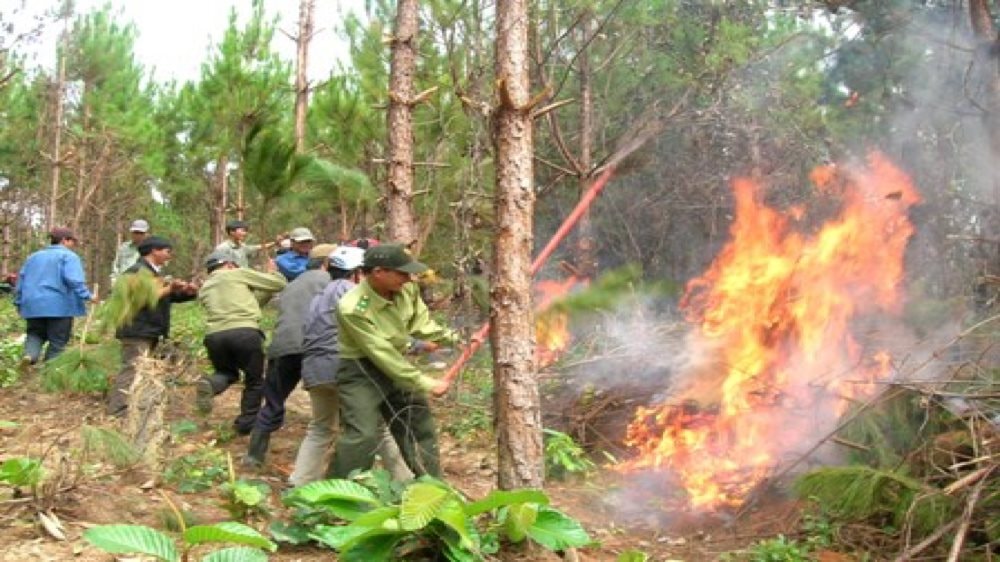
{"x":56,"y":331}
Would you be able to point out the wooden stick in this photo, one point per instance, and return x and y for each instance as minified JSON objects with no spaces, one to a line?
{"x":567,"y":225}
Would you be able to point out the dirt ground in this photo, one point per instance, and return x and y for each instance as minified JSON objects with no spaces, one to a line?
{"x":91,"y":492}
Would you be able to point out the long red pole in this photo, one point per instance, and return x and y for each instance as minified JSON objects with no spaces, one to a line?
{"x":568,"y":223}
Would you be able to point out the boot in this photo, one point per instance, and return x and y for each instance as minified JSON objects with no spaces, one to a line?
{"x":257,"y":451}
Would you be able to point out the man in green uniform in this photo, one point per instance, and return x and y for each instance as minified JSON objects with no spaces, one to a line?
{"x":231,"y":297}
{"x":378,"y":320}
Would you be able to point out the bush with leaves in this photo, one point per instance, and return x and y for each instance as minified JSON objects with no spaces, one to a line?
{"x":425,"y":516}
{"x":564,"y":456}
{"x":139,"y":539}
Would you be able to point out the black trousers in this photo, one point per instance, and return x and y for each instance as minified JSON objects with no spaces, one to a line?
{"x":236,"y":351}
{"x":283,"y":375}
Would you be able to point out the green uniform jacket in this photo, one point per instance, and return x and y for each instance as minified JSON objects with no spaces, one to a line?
{"x":232,"y":297}
{"x":241,"y":253}
{"x":380,"y":330}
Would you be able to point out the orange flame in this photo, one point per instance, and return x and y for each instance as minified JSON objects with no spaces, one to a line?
{"x":552,"y":335}
{"x":776,"y":307}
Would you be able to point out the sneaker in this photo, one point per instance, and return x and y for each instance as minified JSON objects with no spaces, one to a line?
{"x":204,"y":394}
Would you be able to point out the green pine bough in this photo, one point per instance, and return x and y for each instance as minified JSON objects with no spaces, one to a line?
{"x":388,"y":522}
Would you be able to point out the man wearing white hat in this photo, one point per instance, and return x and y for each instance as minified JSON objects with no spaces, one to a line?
{"x":128,"y":252}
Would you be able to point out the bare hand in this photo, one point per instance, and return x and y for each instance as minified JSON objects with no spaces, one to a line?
{"x":271,"y":267}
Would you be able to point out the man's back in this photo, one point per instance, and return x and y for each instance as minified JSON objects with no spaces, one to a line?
{"x":51,"y":284}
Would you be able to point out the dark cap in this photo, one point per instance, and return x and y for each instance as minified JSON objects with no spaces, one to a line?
{"x":393,"y":256}
{"x":236,"y":223}
{"x":218,"y":258}
{"x":153,"y":243}
{"x":61,"y":233}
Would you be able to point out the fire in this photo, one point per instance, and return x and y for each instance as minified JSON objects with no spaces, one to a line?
{"x":551,"y":327}
{"x":775,"y":310}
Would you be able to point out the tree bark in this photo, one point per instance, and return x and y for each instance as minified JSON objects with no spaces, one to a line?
{"x":217,"y":217}
{"x":57,"y":133}
{"x":981,"y":19}
{"x":586,"y":248}
{"x":518,"y":418}
{"x":301,"y":66}
{"x":400,"y":219}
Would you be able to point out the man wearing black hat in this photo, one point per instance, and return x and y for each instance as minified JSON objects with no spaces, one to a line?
{"x":150,"y":325}
{"x":378,"y":319}
{"x":48,"y":294}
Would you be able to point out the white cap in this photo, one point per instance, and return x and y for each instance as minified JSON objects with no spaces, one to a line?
{"x":347,"y":258}
{"x":139,"y":226}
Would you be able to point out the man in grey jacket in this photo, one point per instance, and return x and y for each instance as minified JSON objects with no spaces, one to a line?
{"x":284,"y":355}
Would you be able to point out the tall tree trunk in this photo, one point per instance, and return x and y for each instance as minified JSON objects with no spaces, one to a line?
{"x":586,"y":247}
{"x":301,"y":66}
{"x":57,"y":133}
{"x":518,"y":418}
{"x":400,"y":219}
{"x":981,"y":19}
{"x":217,"y":217}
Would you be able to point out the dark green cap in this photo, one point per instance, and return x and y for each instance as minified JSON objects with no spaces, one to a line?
{"x":393,"y":256}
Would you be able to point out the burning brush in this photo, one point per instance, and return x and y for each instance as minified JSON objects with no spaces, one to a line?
{"x":775,"y":312}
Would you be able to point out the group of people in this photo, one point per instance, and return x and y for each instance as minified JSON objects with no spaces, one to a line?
{"x":349,"y":317}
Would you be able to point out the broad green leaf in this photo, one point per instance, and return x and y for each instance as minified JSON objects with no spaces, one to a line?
{"x":376,"y":517}
{"x":236,"y":554}
{"x":557,"y":531}
{"x":455,"y":549}
{"x":21,"y":471}
{"x":336,"y":536}
{"x":501,"y":498}
{"x":248,"y":494}
{"x":323,"y":490}
{"x":228,"y":531}
{"x":452,"y":515}
{"x":291,"y":533}
{"x":373,"y":547}
{"x":519,"y":518}
{"x":130,"y":539}
{"x":421,"y":503}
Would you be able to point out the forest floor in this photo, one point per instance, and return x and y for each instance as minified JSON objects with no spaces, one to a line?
{"x":90,"y":492}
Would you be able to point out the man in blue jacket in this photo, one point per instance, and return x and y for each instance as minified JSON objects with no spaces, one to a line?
{"x":291,"y":264}
{"x":50,"y":291}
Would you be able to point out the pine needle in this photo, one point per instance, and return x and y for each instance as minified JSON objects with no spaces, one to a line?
{"x":861,"y":493}
{"x":110,"y":445}
{"x":131,"y":293}
{"x":80,"y":369}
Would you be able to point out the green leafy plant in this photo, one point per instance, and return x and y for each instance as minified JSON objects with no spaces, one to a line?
{"x":197,"y":471}
{"x":21,"y":472}
{"x":427,"y":516}
{"x":10,"y":354}
{"x":130,"y":539}
{"x":244,"y":499}
{"x":564,"y":456}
